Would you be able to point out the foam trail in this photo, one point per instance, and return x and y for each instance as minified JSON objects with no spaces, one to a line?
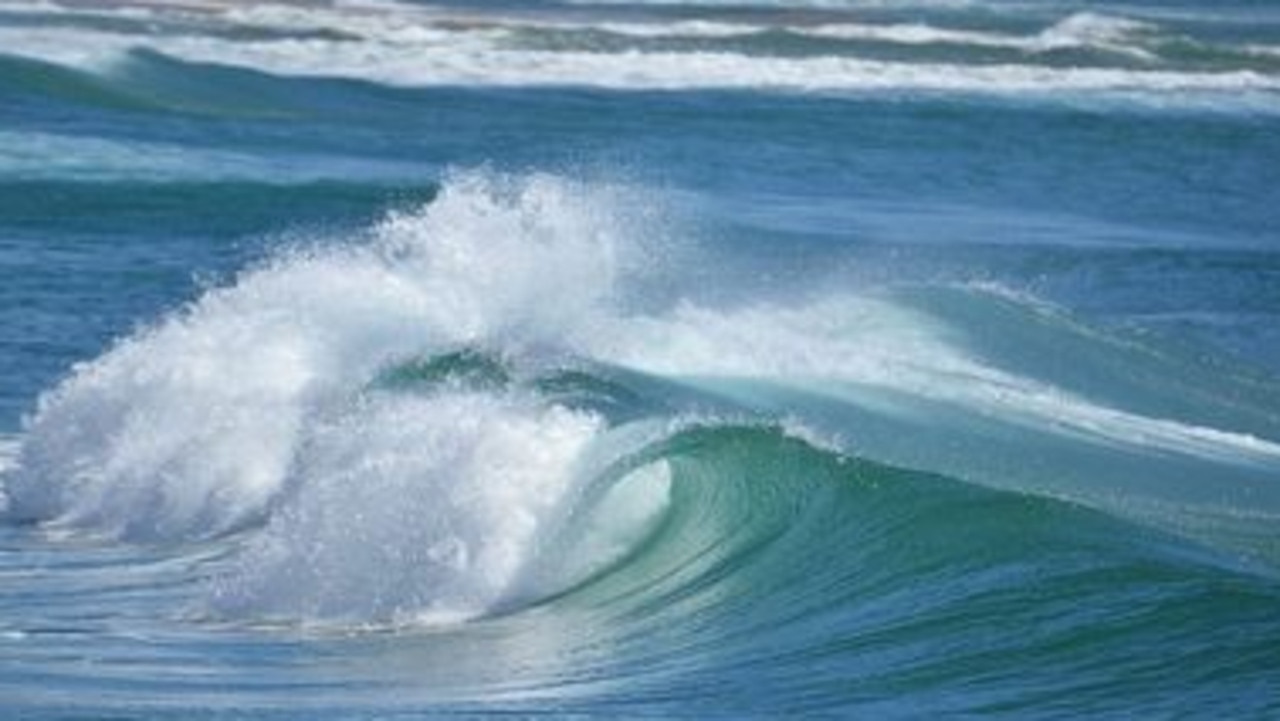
{"x":1079,"y":30}
{"x":410,"y":24}
{"x":423,"y":52}
{"x":875,"y":343}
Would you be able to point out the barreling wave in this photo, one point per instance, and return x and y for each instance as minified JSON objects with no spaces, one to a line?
{"x":405,"y":424}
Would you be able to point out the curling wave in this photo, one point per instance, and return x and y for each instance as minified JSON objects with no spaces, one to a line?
{"x":461,"y":413}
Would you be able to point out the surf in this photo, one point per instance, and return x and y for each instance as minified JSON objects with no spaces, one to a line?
{"x":1091,"y":58}
{"x":394,"y":422}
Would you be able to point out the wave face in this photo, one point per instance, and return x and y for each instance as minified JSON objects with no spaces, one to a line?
{"x":611,"y":359}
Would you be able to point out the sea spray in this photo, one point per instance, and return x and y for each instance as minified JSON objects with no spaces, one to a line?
{"x":190,"y":428}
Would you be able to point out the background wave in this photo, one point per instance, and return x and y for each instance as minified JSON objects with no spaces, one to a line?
{"x":1084,"y":57}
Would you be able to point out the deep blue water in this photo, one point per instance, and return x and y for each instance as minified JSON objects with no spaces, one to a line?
{"x":684,"y":359}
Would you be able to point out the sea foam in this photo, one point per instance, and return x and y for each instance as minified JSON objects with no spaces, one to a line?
{"x":412,"y":47}
{"x":257,"y":405}
{"x":412,"y":509}
{"x":191,"y":427}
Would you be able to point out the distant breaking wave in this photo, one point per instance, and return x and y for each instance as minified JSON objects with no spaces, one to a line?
{"x":1124,"y":60}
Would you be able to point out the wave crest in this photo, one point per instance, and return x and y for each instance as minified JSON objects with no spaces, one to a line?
{"x":191,"y":428}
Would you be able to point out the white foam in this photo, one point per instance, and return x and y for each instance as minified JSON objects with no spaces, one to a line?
{"x":414,"y":509}
{"x":1267,"y":51}
{"x":696,"y":70}
{"x":416,"y":49}
{"x":9,"y":445}
{"x":9,"y":448}
{"x":1094,"y":30}
{"x":1077,"y":416}
{"x":254,"y":404}
{"x":1080,"y":30}
{"x":679,"y":29}
{"x":31,"y":7}
{"x":911,"y":34}
{"x":194,"y":426}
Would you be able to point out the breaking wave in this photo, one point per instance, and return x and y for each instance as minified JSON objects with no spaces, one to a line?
{"x":1084,"y":57}
{"x":462,"y":412}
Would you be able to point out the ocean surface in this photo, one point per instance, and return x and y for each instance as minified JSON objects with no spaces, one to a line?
{"x":838,"y":358}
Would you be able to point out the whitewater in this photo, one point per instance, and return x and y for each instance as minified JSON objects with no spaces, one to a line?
{"x":688,"y":359}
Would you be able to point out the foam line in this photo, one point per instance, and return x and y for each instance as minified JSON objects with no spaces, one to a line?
{"x":407,"y":52}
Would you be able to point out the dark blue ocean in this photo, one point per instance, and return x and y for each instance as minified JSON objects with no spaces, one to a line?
{"x":580,"y":358}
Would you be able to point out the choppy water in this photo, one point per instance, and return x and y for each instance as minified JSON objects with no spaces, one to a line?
{"x":701,"y":359}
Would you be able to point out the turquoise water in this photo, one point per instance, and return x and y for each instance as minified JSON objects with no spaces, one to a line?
{"x":668,"y":359}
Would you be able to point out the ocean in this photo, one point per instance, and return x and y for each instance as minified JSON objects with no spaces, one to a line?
{"x":665,"y":359}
